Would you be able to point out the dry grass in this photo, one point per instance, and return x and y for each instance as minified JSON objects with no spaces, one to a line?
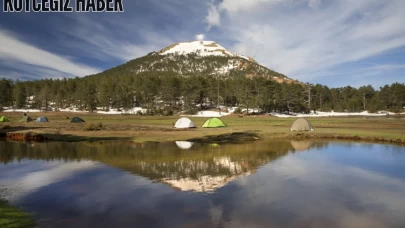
{"x":148,"y":128}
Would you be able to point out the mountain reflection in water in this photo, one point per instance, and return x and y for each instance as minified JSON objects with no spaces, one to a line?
{"x":205,"y":168}
{"x":260,"y":184}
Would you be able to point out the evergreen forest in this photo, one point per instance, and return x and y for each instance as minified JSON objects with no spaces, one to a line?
{"x":166,"y":85}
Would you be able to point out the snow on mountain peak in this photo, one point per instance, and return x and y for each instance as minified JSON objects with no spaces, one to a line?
{"x":202,"y":48}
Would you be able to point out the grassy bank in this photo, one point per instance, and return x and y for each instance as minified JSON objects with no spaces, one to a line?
{"x":12,"y":217}
{"x":148,"y":128}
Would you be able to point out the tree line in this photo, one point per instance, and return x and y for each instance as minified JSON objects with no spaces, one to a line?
{"x":167,"y":93}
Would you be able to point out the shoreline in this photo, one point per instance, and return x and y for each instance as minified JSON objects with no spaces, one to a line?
{"x":160,"y":129}
{"x":236,"y":137}
{"x":233,"y":137}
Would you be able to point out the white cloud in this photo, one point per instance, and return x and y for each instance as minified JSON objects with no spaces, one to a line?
{"x":236,"y":6}
{"x":24,"y":71}
{"x":321,"y":182}
{"x":21,"y":53}
{"x":371,"y":188}
{"x":314,"y":3}
{"x":388,"y":66}
{"x":292,"y":38}
{"x":233,"y":6}
{"x":200,"y":37}
{"x":213,"y":18}
{"x":51,"y":173}
{"x":101,"y":42}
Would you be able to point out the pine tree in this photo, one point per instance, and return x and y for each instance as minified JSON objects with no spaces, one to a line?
{"x":19,"y":94}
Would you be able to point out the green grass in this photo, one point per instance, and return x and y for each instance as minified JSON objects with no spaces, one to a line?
{"x":155,"y":128}
{"x":12,"y":217}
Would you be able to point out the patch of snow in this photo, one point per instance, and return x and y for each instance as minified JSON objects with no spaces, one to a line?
{"x":203,"y":48}
{"x":327,"y":114}
{"x":251,"y":110}
{"x":231,"y":109}
{"x":122,"y":111}
{"x":22,"y":110}
{"x":135,"y":110}
{"x":211,"y":114}
{"x":226,"y":69}
{"x":75,"y":110}
{"x":70,"y":110}
{"x":222,"y":113}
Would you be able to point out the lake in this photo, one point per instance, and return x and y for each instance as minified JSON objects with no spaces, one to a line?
{"x":183,"y":184}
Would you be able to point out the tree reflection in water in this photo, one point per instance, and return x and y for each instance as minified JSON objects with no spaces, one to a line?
{"x":183,"y":165}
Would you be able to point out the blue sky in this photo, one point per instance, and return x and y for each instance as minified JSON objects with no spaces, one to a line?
{"x":336,"y":43}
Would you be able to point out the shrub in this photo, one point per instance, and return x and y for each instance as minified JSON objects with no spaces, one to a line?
{"x":372,"y":109}
{"x":238,"y":111}
{"x":150,"y":112}
{"x":93,"y":127}
{"x":168,"y":112}
{"x":396,"y":109}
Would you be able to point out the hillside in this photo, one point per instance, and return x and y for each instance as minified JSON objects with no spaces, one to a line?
{"x":196,"y":58}
{"x":189,"y":78}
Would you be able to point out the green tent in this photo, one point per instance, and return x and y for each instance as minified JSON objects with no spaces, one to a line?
{"x":25,"y":119}
{"x":3,"y":119}
{"x":77,"y":120}
{"x":213,"y":122}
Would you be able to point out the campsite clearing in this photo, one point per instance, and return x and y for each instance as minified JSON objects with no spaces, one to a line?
{"x":153,"y":128}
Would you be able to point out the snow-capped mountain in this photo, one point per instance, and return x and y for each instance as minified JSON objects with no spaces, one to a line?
{"x":198,"y":58}
{"x":202,"y":48}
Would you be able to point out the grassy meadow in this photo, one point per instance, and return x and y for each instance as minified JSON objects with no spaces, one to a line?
{"x":159,"y":128}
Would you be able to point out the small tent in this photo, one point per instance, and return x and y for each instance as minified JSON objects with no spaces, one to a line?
{"x":301,"y":124}
{"x":184,"y":123}
{"x":3,"y":119}
{"x":213,"y":123}
{"x":42,"y":119}
{"x":25,"y":119}
{"x":77,"y":120}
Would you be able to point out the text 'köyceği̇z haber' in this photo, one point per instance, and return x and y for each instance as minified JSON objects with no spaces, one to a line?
{"x":63,"y":5}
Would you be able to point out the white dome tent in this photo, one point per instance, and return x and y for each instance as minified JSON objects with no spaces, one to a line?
{"x":301,"y":124}
{"x":184,"y":123}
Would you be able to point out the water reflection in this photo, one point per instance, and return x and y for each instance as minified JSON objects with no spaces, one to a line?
{"x":301,"y":145}
{"x":205,"y":168}
{"x":263,"y":184}
{"x":184,"y":144}
{"x":17,"y":183}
